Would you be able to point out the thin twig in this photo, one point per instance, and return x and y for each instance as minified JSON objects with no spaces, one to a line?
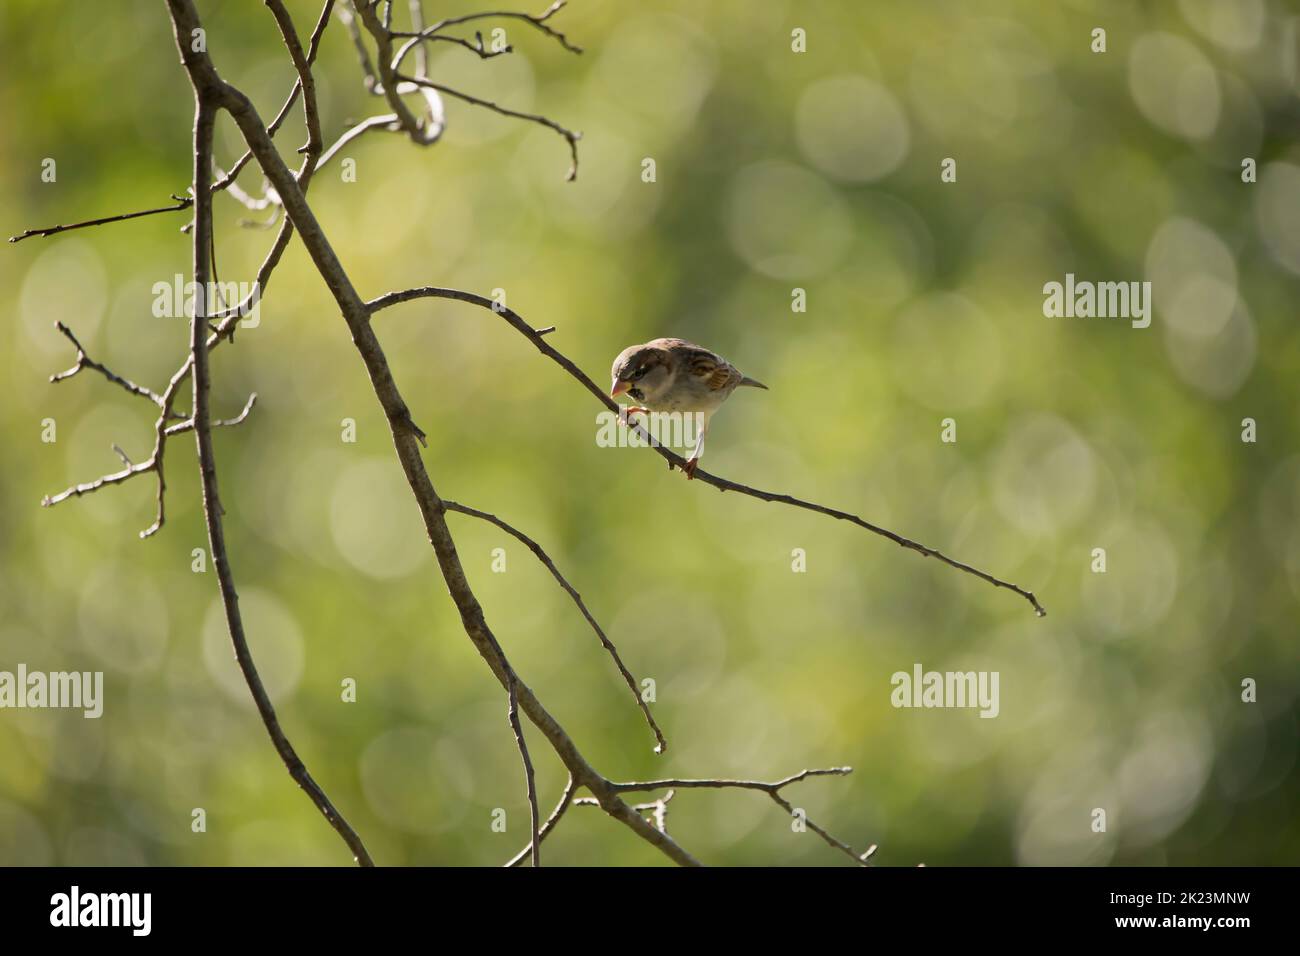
{"x":225,"y":181}
{"x":85,"y":488}
{"x":182,"y":202}
{"x":537,"y":22}
{"x":772,"y":789}
{"x":477,"y":47}
{"x":660,"y":744}
{"x":566,"y":800}
{"x":188,"y":424}
{"x":658,"y":808}
{"x":535,"y":843}
{"x":312,"y":46}
{"x":347,"y":13}
{"x":416,"y":8}
{"x":85,"y":361}
{"x":388,"y":121}
{"x":306,"y":82}
{"x":421,"y":132}
{"x":155,"y":462}
{"x":251,"y":203}
{"x":571,"y":137}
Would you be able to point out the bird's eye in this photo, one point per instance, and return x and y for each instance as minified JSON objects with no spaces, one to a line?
{"x":639,"y":373}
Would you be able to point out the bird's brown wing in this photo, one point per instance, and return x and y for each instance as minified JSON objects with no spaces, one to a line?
{"x":708,"y":367}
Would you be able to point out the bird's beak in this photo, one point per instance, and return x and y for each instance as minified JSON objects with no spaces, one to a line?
{"x":619,"y":388}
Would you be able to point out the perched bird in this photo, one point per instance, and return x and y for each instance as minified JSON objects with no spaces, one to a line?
{"x":672,"y":375}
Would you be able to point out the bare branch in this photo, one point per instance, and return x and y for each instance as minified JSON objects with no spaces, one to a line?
{"x":773,"y":790}
{"x":419,"y":40}
{"x":476,"y":48}
{"x":661,"y":745}
{"x":566,"y":800}
{"x":182,"y":202}
{"x":225,"y":181}
{"x":76,"y":491}
{"x":417,"y":24}
{"x":165,"y":402}
{"x":209,"y":92}
{"x":657,"y":808}
{"x":538,"y":22}
{"x":312,"y":47}
{"x":387,"y":121}
{"x":421,"y":132}
{"x":347,"y":13}
{"x":188,"y":424}
{"x":85,"y":361}
{"x":306,"y":82}
{"x":530,"y":778}
{"x":569,"y":135}
{"x":252,"y":203}
{"x":673,"y":459}
{"x":161,"y":429}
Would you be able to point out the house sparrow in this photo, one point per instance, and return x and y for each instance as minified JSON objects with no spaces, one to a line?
{"x":671,"y":375}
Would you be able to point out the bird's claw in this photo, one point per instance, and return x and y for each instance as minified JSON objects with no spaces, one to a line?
{"x":689,"y":467}
{"x":626,"y":411}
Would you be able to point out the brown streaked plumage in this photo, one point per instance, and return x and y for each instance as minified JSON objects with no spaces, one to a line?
{"x":673,"y":375}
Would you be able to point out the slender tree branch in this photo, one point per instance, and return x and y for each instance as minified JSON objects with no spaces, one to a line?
{"x":387,"y":121}
{"x":673,"y":459}
{"x":182,"y":202}
{"x":188,"y":424}
{"x":416,"y":8}
{"x":348,"y":14}
{"x":569,"y":135}
{"x":658,"y":808}
{"x":772,"y":789}
{"x":251,"y":203}
{"x":530,"y":778}
{"x":312,"y":46}
{"x":85,"y":361}
{"x":419,"y":41}
{"x":225,"y":181}
{"x":208,"y":94}
{"x":538,"y":22}
{"x":477,"y":47}
{"x":660,"y":744}
{"x":566,"y":800}
{"x":85,"y":488}
{"x":421,"y":132}
{"x":306,"y":82}
{"x":687,"y":783}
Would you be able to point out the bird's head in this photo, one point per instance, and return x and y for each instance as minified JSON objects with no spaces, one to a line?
{"x":642,"y":371}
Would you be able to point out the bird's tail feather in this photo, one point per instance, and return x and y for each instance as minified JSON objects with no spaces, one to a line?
{"x":746,"y":380}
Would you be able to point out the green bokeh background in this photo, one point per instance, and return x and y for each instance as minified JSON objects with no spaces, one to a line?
{"x":775,"y":170}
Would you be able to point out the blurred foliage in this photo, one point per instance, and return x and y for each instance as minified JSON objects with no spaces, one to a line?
{"x":775,"y":170}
